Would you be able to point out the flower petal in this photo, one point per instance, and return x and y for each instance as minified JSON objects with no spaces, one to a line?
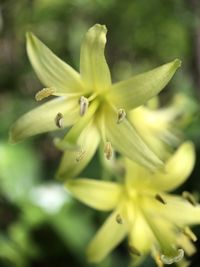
{"x":93,"y":67}
{"x":100,"y":195}
{"x":106,"y":239}
{"x":42,"y":118}
{"x":179,"y":211}
{"x":177,"y":169}
{"x":75,"y":160}
{"x":51,"y":70}
{"x":157,"y":128}
{"x":126,"y":140}
{"x":74,"y":133}
{"x":140,"y":235}
{"x":165,"y":232}
{"x":138,"y":90}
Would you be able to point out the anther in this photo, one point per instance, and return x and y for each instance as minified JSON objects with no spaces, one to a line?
{"x":189,"y":197}
{"x":160,"y":199}
{"x":108,"y":150}
{"x":169,"y":260}
{"x":45,"y":92}
{"x":188,"y":232}
{"x":119,"y":219}
{"x":121,"y":115}
{"x":59,"y":120}
{"x":133,"y":250}
{"x":84,"y":103}
{"x":80,"y":155}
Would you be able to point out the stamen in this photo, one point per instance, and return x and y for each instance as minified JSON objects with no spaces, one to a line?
{"x":189,"y":197}
{"x":84,"y":103}
{"x":119,"y":219}
{"x":80,"y":155}
{"x":160,"y":199}
{"x":121,"y":115}
{"x":133,"y":250}
{"x":45,"y":92}
{"x":108,"y":150}
{"x":170,"y":260}
{"x":59,"y":120}
{"x":188,"y":232}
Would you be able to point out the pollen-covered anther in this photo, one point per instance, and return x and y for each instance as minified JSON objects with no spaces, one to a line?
{"x":59,"y":120}
{"x":119,"y":219}
{"x":160,"y":199}
{"x":121,"y":115}
{"x":134,"y":251}
{"x":169,"y":260}
{"x":189,"y":197}
{"x":108,"y":150}
{"x":80,"y":155}
{"x":84,"y":103}
{"x":45,"y":92}
{"x":188,"y":232}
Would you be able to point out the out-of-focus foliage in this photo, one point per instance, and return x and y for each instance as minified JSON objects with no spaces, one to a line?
{"x":142,"y":34}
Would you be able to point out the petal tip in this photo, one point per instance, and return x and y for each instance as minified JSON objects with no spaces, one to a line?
{"x":177,"y":63}
{"x":100,"y":27}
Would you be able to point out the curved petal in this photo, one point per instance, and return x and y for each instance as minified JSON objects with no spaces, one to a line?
{"x":42,"y":119}
{"x":100,"y":195}
{"x":138,"y":90}
{"x":177,"y":169}
{"x":179,"y":211}
{"x":75,"y":160}
{"x":106,"y":239}
{"x":126,"y":140}
{"x":52,"y":71}
{"x":93,"y":67}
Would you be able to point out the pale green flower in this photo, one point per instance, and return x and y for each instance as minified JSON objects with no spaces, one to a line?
{"x":160,"y":127}
{"x":153,"y":220}
{"x":90,"y":103}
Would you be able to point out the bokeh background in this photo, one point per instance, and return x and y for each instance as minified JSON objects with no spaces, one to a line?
{"x":40,"y":224}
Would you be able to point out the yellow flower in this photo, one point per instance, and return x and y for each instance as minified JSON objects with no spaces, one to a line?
{"x":160,"y":127}
{"x":90,"y":103}
{"x":153,"y":220}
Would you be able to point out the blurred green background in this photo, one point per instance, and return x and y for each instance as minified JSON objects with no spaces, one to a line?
{"x":40,"y":224}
